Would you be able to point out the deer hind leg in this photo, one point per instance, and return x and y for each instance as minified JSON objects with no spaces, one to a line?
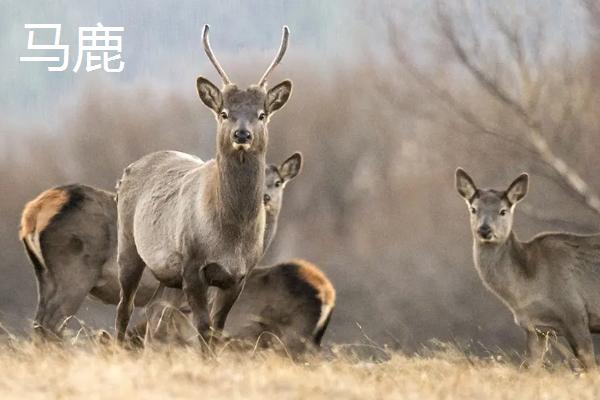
{"x":131,"y":268}
{"x":46,"y":292}
{"x":45,"y":288}
{"x":74,"y":277}
{"x":63,"y":284}
{"x":536,"y":348}
{"x":580,"y":339}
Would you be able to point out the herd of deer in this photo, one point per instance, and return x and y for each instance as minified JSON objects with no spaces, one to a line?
{"x":182,"y":237}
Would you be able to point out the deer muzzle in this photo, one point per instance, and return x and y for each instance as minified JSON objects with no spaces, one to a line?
{"x":242,"y":136}
{"x":216,"y":275}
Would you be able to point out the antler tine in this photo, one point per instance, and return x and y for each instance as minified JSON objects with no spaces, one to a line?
{"x":211,"y":55}
{"x":277,"y":60}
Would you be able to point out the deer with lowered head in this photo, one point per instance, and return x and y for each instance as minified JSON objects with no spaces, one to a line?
{"x":292,"y":301}
{"x":70,"y":235}
{"x":195,"y":224}
{"x":550,"y":283}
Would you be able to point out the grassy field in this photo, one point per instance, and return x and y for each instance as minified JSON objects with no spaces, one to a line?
{"x":94,"y":371}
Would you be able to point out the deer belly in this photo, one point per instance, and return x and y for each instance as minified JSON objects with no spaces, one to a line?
{"x":540,"y":315}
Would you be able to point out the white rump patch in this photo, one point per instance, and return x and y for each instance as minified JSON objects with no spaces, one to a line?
{"x":33,"y":240}
{"x":325,"y":311}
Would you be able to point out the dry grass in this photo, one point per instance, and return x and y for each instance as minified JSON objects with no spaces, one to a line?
{"x":103,"y":372}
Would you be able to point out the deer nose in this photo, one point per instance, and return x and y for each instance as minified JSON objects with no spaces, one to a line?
{"x":218,"y":276}
{"x":484,"y":231}
{"x":267,"y":198}
{"x":242,"y":136}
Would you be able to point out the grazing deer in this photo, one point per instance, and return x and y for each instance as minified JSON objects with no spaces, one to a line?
{"x":195,"y":223}
{"x":291,"y":300}
{"x":550,"y":283}
{"x":70,"y":236}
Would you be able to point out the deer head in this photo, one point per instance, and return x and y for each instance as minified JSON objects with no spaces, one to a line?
{"x":492,"y":211}
{"x":243,"y":114}
{"x":276,"y":178}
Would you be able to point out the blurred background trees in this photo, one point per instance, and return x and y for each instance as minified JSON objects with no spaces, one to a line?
{"x":411,"y":92}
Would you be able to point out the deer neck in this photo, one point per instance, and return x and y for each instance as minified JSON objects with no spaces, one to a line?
{"x":502,"y":266}
{"x":241,"y":181}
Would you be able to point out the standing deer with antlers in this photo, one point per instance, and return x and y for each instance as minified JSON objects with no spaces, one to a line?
{"x":193,"y":223}
{"x":70,"y":236}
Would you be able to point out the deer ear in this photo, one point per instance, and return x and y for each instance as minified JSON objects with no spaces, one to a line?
{"x":210,"y":95}
{"x":518,"y":189}
{"x":291,"y":167}
{"x":465,"y":185}
{"x":277,"y":96}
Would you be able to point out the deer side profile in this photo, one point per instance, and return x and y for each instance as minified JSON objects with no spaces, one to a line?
{"x":194,"y":223}
{"x":289,"y":303}
{"x":70,"y":236}
{"x":550,"y":283}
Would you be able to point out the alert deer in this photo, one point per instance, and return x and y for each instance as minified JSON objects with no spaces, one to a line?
{"x":195,"y":223}
{"x":276,"y":179}
{"x":550,"y":283}
{"x":70,"y":236}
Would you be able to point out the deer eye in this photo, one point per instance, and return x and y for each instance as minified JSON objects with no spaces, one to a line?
{"x":262,"y":115}
{"x":473,"y":210}
{"x":503,"y":212}
{"x":224,"y":114}
{"x":278,"y":183}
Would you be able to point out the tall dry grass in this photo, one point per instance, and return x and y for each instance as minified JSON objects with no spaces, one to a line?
{"x":29,"y":371}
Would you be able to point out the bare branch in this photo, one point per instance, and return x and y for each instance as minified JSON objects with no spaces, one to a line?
{"x":569,"y":175}
{"x":444,"y":95}
{"x":534,"y":133}
{"x":593,"y":10}
{"x":486,"y":82}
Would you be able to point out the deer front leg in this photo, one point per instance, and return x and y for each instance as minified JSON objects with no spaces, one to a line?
{"x":224,"y":300}
{"x":195,"y":288}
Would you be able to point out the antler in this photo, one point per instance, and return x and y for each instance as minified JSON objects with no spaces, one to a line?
{"x":211,"y":56}
{"x":277,"y":60}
